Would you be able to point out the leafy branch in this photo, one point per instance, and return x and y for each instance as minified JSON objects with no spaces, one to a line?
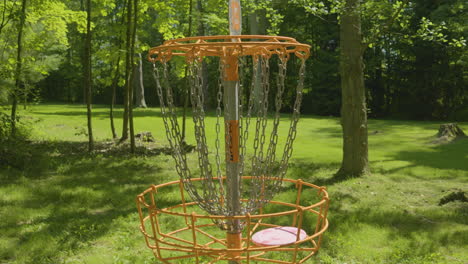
{"x":6,"y":19}
{"x":385,"y":28}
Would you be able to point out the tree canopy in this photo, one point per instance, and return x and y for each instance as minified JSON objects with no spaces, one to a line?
{"x":414,"y":51}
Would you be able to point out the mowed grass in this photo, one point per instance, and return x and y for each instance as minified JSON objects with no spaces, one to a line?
{"x":68,"y":206}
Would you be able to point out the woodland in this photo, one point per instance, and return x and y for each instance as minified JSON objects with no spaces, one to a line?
{"x":415,"y":54}
{"x":81,"y":133}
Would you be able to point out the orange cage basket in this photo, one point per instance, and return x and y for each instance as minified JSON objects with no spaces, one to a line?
{"x":193,"y":238}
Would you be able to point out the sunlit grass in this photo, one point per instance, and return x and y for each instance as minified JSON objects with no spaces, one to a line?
{"x":72,"y":207}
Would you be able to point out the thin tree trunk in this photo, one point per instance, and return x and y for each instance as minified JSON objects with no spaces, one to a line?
{"x":115,"y":82}
{"x":19,"y":65}
{"x":88,"y":76}
{"x":201,"y":32}
{"x":69,"y":57}
{"x":82,"y":8}
{"x":25,"y":95}
{"x":186,"y":93}
{"x":128,"y":72}
{"x":140,"y":92}
{"x":353,"y":108}
{"x":132,"y":52}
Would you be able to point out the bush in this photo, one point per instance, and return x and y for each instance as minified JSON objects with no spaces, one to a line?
{"x":14,"y":151}
{"x":5,"y":127}
{"x":460,"y":115}
{"x":4,"y":91}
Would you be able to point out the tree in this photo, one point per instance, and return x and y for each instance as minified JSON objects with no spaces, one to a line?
{"x":140,"y":92}
{"x":87,"y":75}
{"x":128,"y":71}
{"x":186,"y":91}
{"x":19,"y":65}
{"x":132,"y":75}
{"x":132,"y":18}
{"x":353,"y":109}
{"x":7,"y":13}
{"x":115,"y":80}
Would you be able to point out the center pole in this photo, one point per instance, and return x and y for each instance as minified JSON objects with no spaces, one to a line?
{"x":231,"y":121}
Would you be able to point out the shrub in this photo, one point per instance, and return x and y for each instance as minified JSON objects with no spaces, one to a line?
{"x":14,"y":151}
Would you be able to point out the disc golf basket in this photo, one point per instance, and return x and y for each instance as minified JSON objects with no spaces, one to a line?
{"x":226,"y":208}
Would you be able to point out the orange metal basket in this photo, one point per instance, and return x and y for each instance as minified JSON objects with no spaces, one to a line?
{"x":225,"y":46}
{"x":181,"y":231}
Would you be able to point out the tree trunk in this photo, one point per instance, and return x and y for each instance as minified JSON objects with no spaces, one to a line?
{"x":115,"y":82}
{"x":186,"y":91}
{"x":353,"y":106}
{"x":132,"y":52}
{"x":201,"y":32}
{"x":19,"y":65}
{"x":82,"y":8}
{"x":88,"y":76}
{"x":128,"y":72}
{"x":140,"y":93}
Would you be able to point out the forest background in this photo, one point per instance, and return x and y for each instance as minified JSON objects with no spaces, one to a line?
{"x":415,"y":62}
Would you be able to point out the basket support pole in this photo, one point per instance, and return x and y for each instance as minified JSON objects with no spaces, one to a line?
{"x":231,"y":120}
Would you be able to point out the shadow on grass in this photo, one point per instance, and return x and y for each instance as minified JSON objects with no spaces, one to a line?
{"x":74,"y":198}
{"x":67,"y":198}
{"x":318,"y":174}
{"x":333,"y":132}
{"x":447,"y":156}
{"x":411,"y":233}
{"x":425,"y":231}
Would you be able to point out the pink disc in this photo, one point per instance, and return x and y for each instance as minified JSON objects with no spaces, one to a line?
{"x":277,"y":236}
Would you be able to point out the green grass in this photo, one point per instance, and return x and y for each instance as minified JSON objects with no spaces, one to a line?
{"x":66,"y":206}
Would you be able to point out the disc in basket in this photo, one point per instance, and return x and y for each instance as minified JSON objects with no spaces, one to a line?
{"x":277,"y":236}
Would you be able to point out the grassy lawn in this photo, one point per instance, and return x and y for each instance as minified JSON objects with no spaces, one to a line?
{"x":63,"y":205}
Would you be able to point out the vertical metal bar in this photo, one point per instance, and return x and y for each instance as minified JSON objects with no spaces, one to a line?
{"x":182,"y":196}
{"x":324,"y":213}
{"x":298,"y":198}
{"x":249,"y":227}
{"x":298,"y":234}
{"x":194,"y":237}
{"x":231,"y":120}
{"x":154,"y":220}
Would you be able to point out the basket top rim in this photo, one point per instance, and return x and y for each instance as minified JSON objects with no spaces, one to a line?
{"x":228,"y":45}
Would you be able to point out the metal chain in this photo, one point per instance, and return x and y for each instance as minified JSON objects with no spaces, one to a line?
{"x":271,"y":153}
{"x":259,"y":166}
{"x":266,"y":171}
{"x":219,"y":99}
{"x":242,"y":141}
{"x":179,"y":158}
{"x":288,"y":148}
{"x":210,"y":194}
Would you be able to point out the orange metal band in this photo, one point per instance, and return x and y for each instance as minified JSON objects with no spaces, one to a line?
{"x":234,"y":241}
{"x":231,"y":69}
